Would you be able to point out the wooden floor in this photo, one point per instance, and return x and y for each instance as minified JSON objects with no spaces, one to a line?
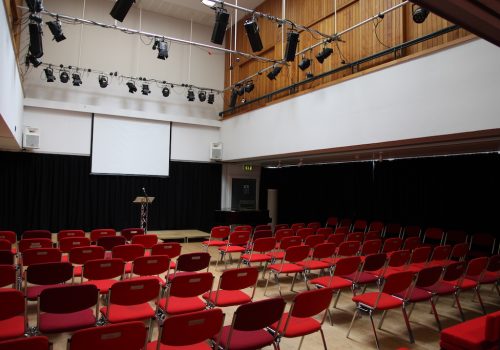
{"x":392,"y":336}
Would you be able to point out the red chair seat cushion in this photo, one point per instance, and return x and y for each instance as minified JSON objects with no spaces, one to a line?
{"x":77,"y":270}
{"x":214,"y":243}
{"x":54,"y":323}
{"x":441,"y":288}
{"x":335,"y":282}
{"x":466,"y":335}
{"x":120,"y":313}
{"x":245,"y":340}
{"x":102,"y":285}
{"x":385,"y":302}
{"x":12,"y":327}
{"x":256,"y":257}
{"x":199,"y":346}
{"x":178,"y":305}
{"x":286,"y":268}
{"x":416,"y":296}
{"x":232,"y":249}
{"x":313,"y":264}
{"x":228,"y":298}
{"x":363,"y":277}
{"x":277,"y":255}
{"x":297,"y":326}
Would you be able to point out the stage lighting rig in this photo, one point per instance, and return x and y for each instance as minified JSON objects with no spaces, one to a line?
{"x":56,"y":30}
{"x":120,"y":9}
{"x":131,"y":87}
{"x":49,"y":74}
{"x":103,"y":81}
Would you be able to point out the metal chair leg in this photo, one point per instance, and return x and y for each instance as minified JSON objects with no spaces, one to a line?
{"x":293,"y":282}
{"x":480,"y":299}
{"x":457,"y":298}
{"x":352,"y":322}
{"x":301,"y":341}
{"x":411,"y":310}
{"x":407,"y":321}
{"x":436,"y":316}
{"x":337,"y":298}
{"x":323,"y":338}
{"x":267,"y":282}
{"x":374,"y":330}
{"x":382,"y":319}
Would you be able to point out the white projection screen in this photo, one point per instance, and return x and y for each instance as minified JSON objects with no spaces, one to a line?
{"x":129,"y":146}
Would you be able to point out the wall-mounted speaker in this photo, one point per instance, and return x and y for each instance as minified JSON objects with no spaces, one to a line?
{"x":31,"y":138}
{"x":216,"y":151}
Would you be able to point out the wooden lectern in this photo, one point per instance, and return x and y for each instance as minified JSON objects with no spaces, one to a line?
{"x":144,"y":202}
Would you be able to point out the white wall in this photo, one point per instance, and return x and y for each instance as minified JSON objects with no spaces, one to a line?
{"x":451,"y":91}
{"x":11,"y":93}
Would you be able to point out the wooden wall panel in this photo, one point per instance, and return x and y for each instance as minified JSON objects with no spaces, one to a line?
{"x":395,"y":28}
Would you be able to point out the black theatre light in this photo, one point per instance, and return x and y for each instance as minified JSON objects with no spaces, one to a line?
{"x":252,"y":30}
{"x":234,"y":97}
{"x":56,"y":30}
{"x":34,"y":5}
{"x":249,"y":86}
{"x":324,"y":54}
{"x":202,"y":95}
{"x":162,"y":49}
{"x":305,"y":63}
{"x":33,"y":60}
{"x":240,"y":89}
{"x":64,"y":77}
{"x":103,"y":81}
{"x":211,"y":98}
{"x":292,"y":40}
{"x":49,"y":74}
{"x":77,"y":81}
{"x":274,"y":73}
{"x":36,"y":47}
{"x":221,"y":19}
{"x":190,"y":95}
{"x":145,"y":89}
{"x":165,"y":91}
{"x":131,"y":87}
{"x":419,"y":14}
{"x":121,"y":8}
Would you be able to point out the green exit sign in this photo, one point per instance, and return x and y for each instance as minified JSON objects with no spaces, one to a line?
{"x":248,"y":167}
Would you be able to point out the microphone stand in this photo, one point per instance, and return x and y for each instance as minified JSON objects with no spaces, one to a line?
{"x":144,"y":212}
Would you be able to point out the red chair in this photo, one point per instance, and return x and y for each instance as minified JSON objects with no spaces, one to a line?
{"x":397,"y":261}
{"x":281,"y":234}
{"x":40,"y":255}
{"x":342,"y":230}
{"x":248,"y":329}
{"x":13,"y":323}
{"x":370,"y":247}
{"x":482,"y":244}
{"x":411,"y":243}
{"x":355,"y":236}
{"x":299,"y":321}
{"x":384,"y":300}
{"x":101,"y":232}
{"x":315,"y":225}
{"x":108,"y":242}
{"x":345,"y":222}
{"x":440,"y":255}
{"x":11,"y":237}
{"x":278,"y":227}
{"x":304,"y":232}
{"x":8,"y":276}
{"x":31,"y":343}
{"x":319,"y":252}
{"x":102,"y":273}
{"x":286,"y":242}
{"x":263,"y":228}
{"x":491,"y":275}
{"x":455,"y":236}
{"x":313,"y":240}
{"x":129,"y":233}
{"x":46,"y":275}
{"x":67,"y":308}
{"x":33,"y":243}
{"x":419,"y":258}
{"x":127,"y":252}
{"x":261,"y":234}
{"x":289,"y":265}
{"x":349,"y":248}
{"x":369,"y":271}
{"x":325,"y":231}
{"x":69,"y":234}
{"x":122,"y":336}
{"x":235,"y":244}
{"x":392,"y":244}
{"x":377,"y":226}
{"x":473,"y":275}
{"x":68,"y":243}
{"x":147,"y":241}
{"x":5,"y":245}
{"x":6,"y":257}
{"x":171,"y":249}
{"x":297,"y":226}
{"x":259,"y":253}
{"x":80,"y":255}
{"x":371,"y":235}
{"x":191,"y":330}
{"x":229,"y":291}
{"x":191,"y":263}
{"x":336,"y":238}
{"x":245,"y":228}
{"x":392,"y":230}
{"x":359,"y":225}
{"x":146,"y":266}
{"x":29,"y":234}
{"x":184,"y":293}
{"x":411,"y":231}
{"x":433,"y":236}
{"x":332,"y":222}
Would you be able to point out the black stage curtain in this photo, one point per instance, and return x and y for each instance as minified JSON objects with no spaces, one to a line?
{"x":46,"y":191}
{"x":461,"y":192}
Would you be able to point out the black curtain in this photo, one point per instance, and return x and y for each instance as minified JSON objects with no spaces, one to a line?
{"x":461,"y":192}
{"x":56,"y":192}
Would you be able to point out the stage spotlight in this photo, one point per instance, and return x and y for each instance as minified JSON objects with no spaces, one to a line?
{"x":103,"y":81}
{"x":211,"y":98}
{"x":274,"y":73}
{"x":77,"y":81}
{"x":162,"y":49}
{"x":36,"y":47}
{"x":34,"y":5}
{"x":33,"y":60}
{"x":145,"y":89}
{"x":419,"y":14}
{"x":323,"y":54}
{"x":234,"y":97}
{"x":221,"y":19}
{"x":131,"y":87}
{"x":291,"y":45}
{"x":165,"y":91}
{"x":56,"y":30}
{"x":208,"y":3}
{"x":64,"y":77}
{"x":49,"y":74}
{"x":249,"y":86}
{"x":252,"y":30}
{"x":305,"y":63}
{"x":202,"y":95}
{"x":121,"y":8}
{"x":190,"y":95}
{"x":240,"y":89}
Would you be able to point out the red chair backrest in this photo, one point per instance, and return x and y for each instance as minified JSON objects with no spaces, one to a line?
{"x":332,"y":221}
{"x":428,"y":276}
{"x":420,"y":255}
{"x":476,"y":266}
{"x":220,"y":232}
{"x":238,"y":278}
{"x":262,"y":234}
{"x":314,"y":240}
{"x":454,"y":271}
{"x":263,"y":228}
{"x":342,"y":230}
{"x":374,"y":262}
{"x":456,"y":236}
{"x":324,"y":250}
{"x":291,"y":241}
{"x":80,"y":255}
{"x":392,"y":230}
{"x":459,"y":251}
{"x":193,"y":262}
{"x":411,"y":243}
{"x":314,"y":225}
{"x":28,"y":234}
{"x":101,"y":232}
{"x":129,"y":233}
{"x":33,"y":243}
{"x":494,"y":263}
{"x":191,"y":328}
{"x":336,"y":238}
{"x":371,"y":235}
{"x":258,"y":314}
{"x":371,"y":247}
{"x":280,"y":227}
{"x":8,"y":275}
{"x":246,"y":228}
{"x":40,"y":255}
{"x":376,"y":226}
{"x":263,"y":245}
{"x":441,"y":252}
{"x":9,"y":235}
{"x":349,"y":248}
{"x":325,"y":231}
{"x":311,"y":302}
{"x":172,"y":249}
{"x":11,"y":303}
{"x":127,"y":252}
{"x":31,"y":343}
{"x":412,"y":231}
{"x":108,"y":242}
{"x":297,"y":225}
{"x":282,"y":233}
{"x":345,"y":222}
{"x":239,"y":237}
{"x":483,"y":240}
{"x":68,"y":243}
{"x":492,"y":333}
{"x":355,"y":236}
{"x":399,"y":258}
{"x":102,"y":269}
{"x":129,"y":335}
{"x":191,"y":285}
{"x":6,"y":257}
{"x":69,"y":233}
{"x":5,"y":244}
{"x":151,"y":265}
{"x":360,"y":225}
{"x":68,"y":298}
{"x":296,"y":253}
{"x":397,"y":282}
{"x":346,"y":266}
{"x":434,"y":233}
{"x":134,"y":291}
{"x":392,"y":244}
{"x":49,"y":273}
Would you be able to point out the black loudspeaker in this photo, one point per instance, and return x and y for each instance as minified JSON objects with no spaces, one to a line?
{"x":221,"y":19}
{"x":121,"y":9}
{"x":252,"y":30}
{"x":36,"y":46}
{"x":291,"y":46}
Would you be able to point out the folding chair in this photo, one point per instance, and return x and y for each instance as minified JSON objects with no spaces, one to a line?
{"x":297,"y":225}
{"x":371,"y":235}
{"x":313,"y":240}
{"x":411,"y":243}
{"x":344,"y":230}
{"x":67,"y":308}
{"x":68,"y":243}
{"x":304,"y":232}
{"x":243,"y":228}
{"x":11,"y":237}
{"x":217,"y":236}
{"x":146,"y":266}
{"x":13,"y":321}
{"x":6,"y":257}
{"x":369,"y":272}
{"x":345,"y":222}
{"x":171,"y":249}
{"x":108,"y":242}
{"x":411,"y":231}
{"x":289,"y":265}
{"x":348,"y":248}
{"x":191,"y":263}
{"x":281,"y":234}
{"x":259,"y":234}
{"x":147,"y":241}
{"x":101,"y":232}
{"x":440,"y":255}
{"x":315,"y":225}
{"x":231,"y":283}
{"x":189,"y":330}
{"x":376,"y":226}
{"x":29,"y":234}
{"x":392,"y":244}
{"x":31,"y":343}
{"x":433,"y":236}
{"x":259,"y":253}
{"x":69,"y":234}
{"x":299,"y":321}
{"x":356,"y":236}
{"x":248,"y":329}
{"x":5,"y":245}
{"x":455,"y":237}
{"x":392,"y":230}
{"x":325,"y":231}
{"x":278,"y":227}
{"x":184,"y":293}
{"x":332,"y":222}
{"x":397,"y":261}
{"x":336,"y":238}
{"x":45,"y":275}
{"x":33,"y":243}
{"x":491,"y":275}
{"x":419,"y":258}
{"x":384,"y":300}
{"x":129,"y":233}
{"x":482,"y":244}
{"x":359,"y":225}
{"x":102,"y":273}
{"x":370,"y":247}
{"x":127,"y":335}
{"x":263,"y":228}
{"x":127,"y":252}
{"x":80,"y":255}
{"x":319,"y":252}
{"x":235,"y":244}
{"x":473,"y":275}
{"x":8,"y":276}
